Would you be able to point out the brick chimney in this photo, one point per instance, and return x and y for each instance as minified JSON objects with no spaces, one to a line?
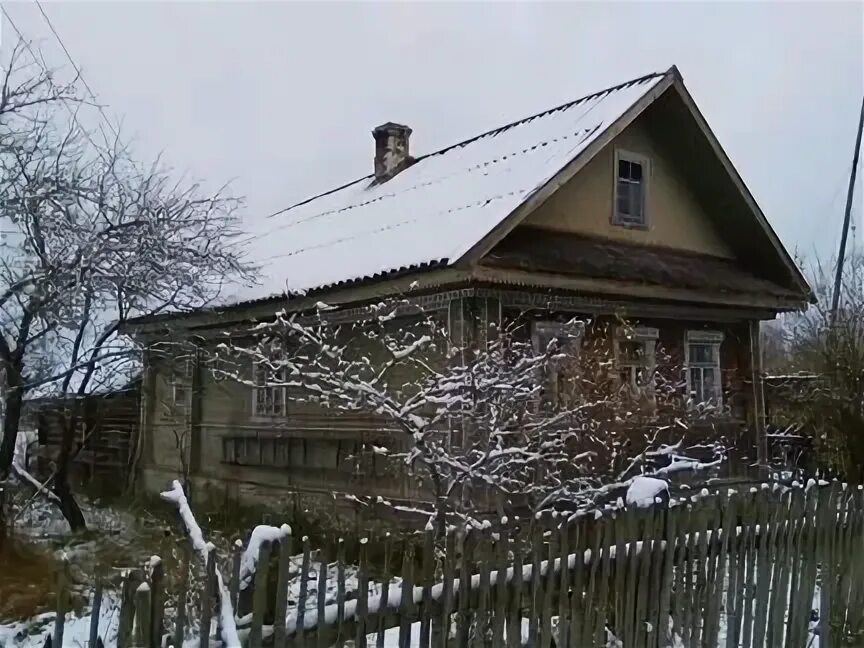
{"x":391,"y":150}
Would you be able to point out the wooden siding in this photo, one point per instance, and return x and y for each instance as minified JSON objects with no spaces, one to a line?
{"x":314,"y":450}
{"x":111,"y":425}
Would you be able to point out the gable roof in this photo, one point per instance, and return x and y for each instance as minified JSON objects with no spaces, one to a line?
{"x":453,"y":205}
{"x":437,"y":209}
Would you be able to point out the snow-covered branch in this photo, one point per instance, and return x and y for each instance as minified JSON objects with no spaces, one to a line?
{"x":226,"y":611}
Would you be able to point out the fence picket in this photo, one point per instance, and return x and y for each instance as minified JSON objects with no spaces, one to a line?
{"x":280,"y":609}
{"x":579,"y":533}
{"x":536,"y":602}
{"x":791,"y":564}
{"x":143,"y":623}
{"x":625,"y":628}
{"x":259,"y":594}
{"x":767,"y":518}
{"x":451,"y":549}
{"x":481,"y":611}
{"x":62,"y":602}
{"x":564,"y":583}
{"x":427,"y":574}
{"x":95,"y":613}
{"x":664,"y":614}
{"x":514,"y":620}
{"x":182,"y":593}
{"x":679,"y":598}
{"x":157,"y":602}
{"x":619,"y":605}
{"x":362,"y":596}
{"x":340,"y":591}
{"x":464,"y":617}
{"x":643,"y":619}
{"x":406,"y":604}
{"x":689,"y":590}
{"x":321,"y":591}
{"x":601,"y":620}
{"x":809,"y":542}
{"x":302,"y":599}
{"x":385,"y":590}
{"x":207,"y":600}
{"x":549,"y":581}
{"x":597,"y":529}
{"x":502,"y":587}
{"x":127,"y":608}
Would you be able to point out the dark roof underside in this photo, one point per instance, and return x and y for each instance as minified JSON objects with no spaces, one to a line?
{"x":536,"y":250}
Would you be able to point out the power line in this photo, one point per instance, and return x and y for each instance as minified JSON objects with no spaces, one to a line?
{"x":38,"y":61}
{"x":76,"y":68}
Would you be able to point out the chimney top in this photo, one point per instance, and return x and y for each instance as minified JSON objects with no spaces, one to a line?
{"x":391,"y":150}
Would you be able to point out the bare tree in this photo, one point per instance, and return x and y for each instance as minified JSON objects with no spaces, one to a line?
{"x":94,"y":239}
{"x":830,"y":406}
{"x":497,"y":424}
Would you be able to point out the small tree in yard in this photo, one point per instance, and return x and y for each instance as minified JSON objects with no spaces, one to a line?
{"x":505,"y":422}
{"x":94,"y":240}
{"x":832,"y":348}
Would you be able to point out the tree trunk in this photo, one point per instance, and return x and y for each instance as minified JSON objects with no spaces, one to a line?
{"x":11,"y":420}
{"x":67,"y":504}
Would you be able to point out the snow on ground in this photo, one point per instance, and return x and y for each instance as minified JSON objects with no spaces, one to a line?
{"x":33,"y":632}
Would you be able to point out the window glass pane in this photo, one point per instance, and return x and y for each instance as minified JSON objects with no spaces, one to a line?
{"x":696,"y":387}
{"x":623,"y":169}
{"x":702,"y":354}
{"x":636,"y":202}
{"x":623,"y":199}
{"x":635,"y":171}
{"x":708,"y":385}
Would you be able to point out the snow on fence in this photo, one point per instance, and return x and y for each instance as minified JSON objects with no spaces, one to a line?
{"x":766,"y":568}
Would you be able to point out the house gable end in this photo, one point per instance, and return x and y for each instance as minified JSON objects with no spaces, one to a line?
{"x":701,"y":206}
{"x":674,"y":217}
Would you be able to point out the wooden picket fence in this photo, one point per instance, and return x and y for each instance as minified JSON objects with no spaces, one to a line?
{"x":764,"y":568}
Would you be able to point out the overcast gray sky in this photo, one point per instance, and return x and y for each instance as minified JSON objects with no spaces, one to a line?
{"x":281,"y":97}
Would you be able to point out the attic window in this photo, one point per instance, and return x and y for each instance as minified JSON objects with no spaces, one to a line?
{"x":631,"y":176}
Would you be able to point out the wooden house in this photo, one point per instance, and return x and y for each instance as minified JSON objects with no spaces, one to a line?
{"x":620,"y":202}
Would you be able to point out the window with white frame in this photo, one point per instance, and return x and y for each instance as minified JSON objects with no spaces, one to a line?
{"x":181,"y":378}
{"x":269,"y":395}
{"x":635,"y":359}
{"x":559,"y":380}
{"x":704,"y":384}
{"x":631,"y":178}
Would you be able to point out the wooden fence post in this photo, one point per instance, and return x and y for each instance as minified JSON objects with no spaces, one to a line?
{"x":340,"y":592}
{"x":385,"y":591}
{"x":157,"y":593}
{"x":362,"y":596}
{"x":95,"y":612}
{"x":127,"y":608}
{"x":62,"y":601}
{"x":234,"y":585}
{"x":143,"y":604}
{"x":180,"y":617}
{"x":304,"y":592}
{"x":259,"y":594}
{"x":284,"y":573}
{"x":406,"y":605}
{"x":207,"y":600}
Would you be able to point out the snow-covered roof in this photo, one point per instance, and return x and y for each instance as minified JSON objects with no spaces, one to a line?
{"x":434,"y":211}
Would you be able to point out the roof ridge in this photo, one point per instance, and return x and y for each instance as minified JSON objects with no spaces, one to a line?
{"x":493,"y":131}
{"x":548,"y":111}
